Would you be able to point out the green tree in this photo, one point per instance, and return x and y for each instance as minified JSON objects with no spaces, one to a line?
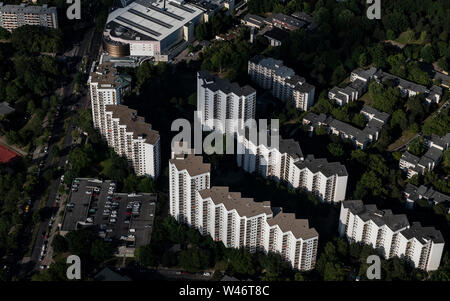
{"x":335,"y":149}
{"x":417,"y":146}
{"x":101,"y":250}
{"x":59,"y":244}
{"x":145,"y":256}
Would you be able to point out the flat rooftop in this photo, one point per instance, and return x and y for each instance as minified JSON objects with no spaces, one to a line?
{"x":26,"y":9}
{"x":148,"y":19}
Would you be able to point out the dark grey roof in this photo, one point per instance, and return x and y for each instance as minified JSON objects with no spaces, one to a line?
{"x":410,"y":158}
{"x":358,"y":85}
{"x":290,"y":147}
{"x":254,"y":19}
{"x":277,"y":34}
{"x":436,"y":89}
{"x":294,"y":22}
{"x":379,"y":217}
{"x":315,"y":119}
{"x":365,"y":73}
{"x":404,"y":83}
{"x":322,"y":165}
{"x":377,"y":114}
{"x":423,"y":234}
{"x":215,"y":83}
{"x":433,"y":153}
{"x":304,"y":87}
{"x":440,"y":141}
{"x":109,"y":275}
{"x":410,"y":188}
{"x":5,"y":108}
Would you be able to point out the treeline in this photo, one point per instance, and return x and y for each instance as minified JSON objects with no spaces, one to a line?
{"x":27,"y":83}
{"x":92,"y":250}
{"x":218,"y":24}
{"x":346,"y":39}
{"x":37,"y":39}
{"x":197,"y":253}
{"x":232,"y":56}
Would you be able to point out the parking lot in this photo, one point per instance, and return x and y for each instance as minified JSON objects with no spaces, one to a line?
{"x":123,"y":219}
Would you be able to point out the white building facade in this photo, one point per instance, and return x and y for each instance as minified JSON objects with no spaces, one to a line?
{"x":241,"y":222}
{"x":131,"y":137}
{"x":187,"y":174}
{"x":391,"y":234}
{"x":14,"y":16}
{"x":284,"y":84}
{"x":286,"y":163}
{"x":224,"y":106}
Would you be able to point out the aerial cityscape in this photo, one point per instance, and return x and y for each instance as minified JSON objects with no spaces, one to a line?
{"x":224,"y":140}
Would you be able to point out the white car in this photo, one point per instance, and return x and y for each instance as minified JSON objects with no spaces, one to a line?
{"x":88,"y":192}
{"x":206,"y":274}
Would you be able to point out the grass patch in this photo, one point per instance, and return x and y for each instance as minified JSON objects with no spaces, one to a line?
{"x":406,"y":136}
{"x":366,"y":98}
{"x":408,"y":37}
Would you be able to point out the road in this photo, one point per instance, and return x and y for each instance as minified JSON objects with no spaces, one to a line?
{"x":69,"y":101}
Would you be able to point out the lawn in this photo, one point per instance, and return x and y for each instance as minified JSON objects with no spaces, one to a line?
{"x":406,"y":136}
{"x":408,"y":37}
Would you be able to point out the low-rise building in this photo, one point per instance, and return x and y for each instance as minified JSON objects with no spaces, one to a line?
{"x":360,"y":138}
{"x":285,"y":21}
{"x":413,"y":193}
{"x":253,"y":21}
{"x":410,"y":89}
{"x":359,"y":82}
{"x":276,"y":36}
{"x":413,"y":165}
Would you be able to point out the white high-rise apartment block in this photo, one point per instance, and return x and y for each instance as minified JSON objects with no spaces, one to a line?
{"x":391,"y":234}
{"x":130,"y":136}
{"x":219,"y":100}
{"x":125,"y":132}
{"x":106,"y":88}
{"x":242,"y":222}
{"x":285,"y":85}
{"x":187,"y":174}
{"x":328,"y":180}
{"x":14,"y":16}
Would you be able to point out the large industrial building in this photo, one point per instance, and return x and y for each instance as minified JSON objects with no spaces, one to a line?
{"x":151,"y":28}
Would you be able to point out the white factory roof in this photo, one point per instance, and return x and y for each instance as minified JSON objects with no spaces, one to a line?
{"x":149,"y":18}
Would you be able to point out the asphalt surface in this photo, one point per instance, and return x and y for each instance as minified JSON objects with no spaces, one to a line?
{"x":68,"y":101}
